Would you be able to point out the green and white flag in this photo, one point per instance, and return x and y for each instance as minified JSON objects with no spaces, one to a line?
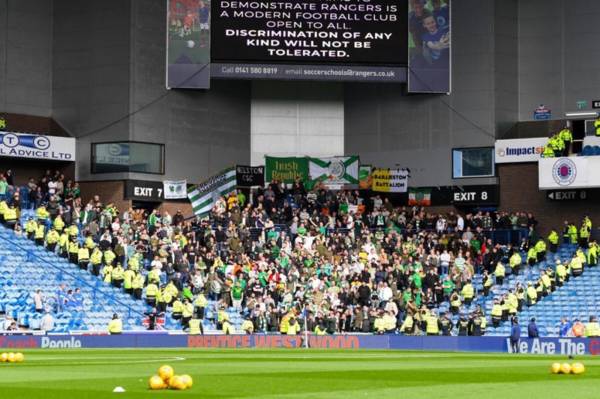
{"x":205,"y":195}
{"x":335,"y":172}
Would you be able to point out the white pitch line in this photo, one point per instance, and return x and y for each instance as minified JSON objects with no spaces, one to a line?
{"x":107,"y":359}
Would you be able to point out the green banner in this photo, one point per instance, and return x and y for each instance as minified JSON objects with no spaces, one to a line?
{"x":286,"y":170}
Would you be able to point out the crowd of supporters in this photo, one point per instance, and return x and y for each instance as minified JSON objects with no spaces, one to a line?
{"x":285,"y":258}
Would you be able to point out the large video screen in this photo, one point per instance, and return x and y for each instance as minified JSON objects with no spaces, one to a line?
{"x":310,"y":39}
{"x":429,"y":46}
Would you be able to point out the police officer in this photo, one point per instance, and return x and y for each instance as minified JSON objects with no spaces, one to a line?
{"x":592,"y":255}
{"x":592,"y":328}
{"x":499,"y":273}
{"x":468,"y":292}
{"x":475,"y":325}
{"x":531,"y":295}
{"x":567,"y":137}
{"x":597,"y":126}
{"x":463,"y":326}
{"x":115,"y":326}
{"x":432,"y":324}
{"x":446,"y":325}
{"x":553,"y":240}
{"x":496,"y":313}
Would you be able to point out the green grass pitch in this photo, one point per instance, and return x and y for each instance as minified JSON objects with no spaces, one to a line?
{"x":298,"y":373}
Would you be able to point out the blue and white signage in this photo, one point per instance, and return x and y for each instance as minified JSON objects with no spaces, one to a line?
{"x":19,"y":145}
{"x":520,"y":150}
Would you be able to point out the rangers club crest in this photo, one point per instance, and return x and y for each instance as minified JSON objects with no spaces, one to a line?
{"x":564,"y":172}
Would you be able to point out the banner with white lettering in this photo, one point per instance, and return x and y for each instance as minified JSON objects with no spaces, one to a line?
{"x":19,"y":145}
{"x":476,"y":195}
{"x":175,"y":189}
{"x":143,"y":190}
{"x":250,"y":176}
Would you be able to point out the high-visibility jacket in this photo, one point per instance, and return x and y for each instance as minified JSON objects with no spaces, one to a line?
{"x":171,"y":289}
{"x":432,"y":325}
{"x":109,"y":256}
{"x":546,"y":281}
{"x":164,"y":295}
{"x":10,"y":214}
{"x":40,"y":231}
{"x":41,"y":213}
{"x":487,"y":281}
{"x":455,"y":301}
{"x":566,"y":135}
{"x":587,"y":222}
{"x":153,"y":276}
{"x":468,"y":291}
{"x":63,"y":241}
{"x":177,"y":307}
{"x":115,"y":326}
{"x":73,"y":230}
{"x":497,"y":310}
{"x":407,"y":325}
{"x":188,"y":310}
{"x":58,"y":223}
{"x":3,"y":207}
{"x":389,"y":322}
{"x":540,"y":246}
{"x":96,"y":257}
{"x":118,"y":273}
{"x":294,"y":329}
{"x":30,"y":226}
{"x":107,"y":273}
{"x":128,"y":278}
{"x":52,"y":237}
{"x":584,"y":232}
{"x":500,"y":271}
{"x":515,"y":260}
{"x":138,"y":281}
{"x":576,"y":264}
{"x":597,"y":126}
{"x":194,"y":327}
{"x":321,"y":331}
{"x":592,"y":329}
{"x":89,"y":243}
{"x":592,"y":253}
{"x":548,"y":151}
{"x":553,"y":237}
{"x":83,"y":254}
{"x":531,"y":253}
{"x":151,"y":290}
{"x":200,"y":301}
{"x":581,"y":256}
{"x":248,"y":326}
{"x":561,"y":272}
{"x":572,"y":231}
{"x":74,"y":247}
{"x":134,"y":263}
{"x":532,"y":294}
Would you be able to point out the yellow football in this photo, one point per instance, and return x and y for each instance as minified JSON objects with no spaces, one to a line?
{"x":166,"y":372}
{"x":577,"y":368}
{"x":11,"y":357}
{"x":19,"y":357}
{"x":155,"y":382}
{"x":187,"y":380}
{"x":176,"y":382}
{"x":565,"y":368}
{"x":4,"y":357}
{"x":555,"y":368}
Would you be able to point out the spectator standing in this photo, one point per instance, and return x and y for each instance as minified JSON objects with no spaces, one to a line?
{"x":532,"y":329}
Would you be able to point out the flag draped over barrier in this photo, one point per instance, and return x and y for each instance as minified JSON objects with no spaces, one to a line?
{"x":204,"y":195}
